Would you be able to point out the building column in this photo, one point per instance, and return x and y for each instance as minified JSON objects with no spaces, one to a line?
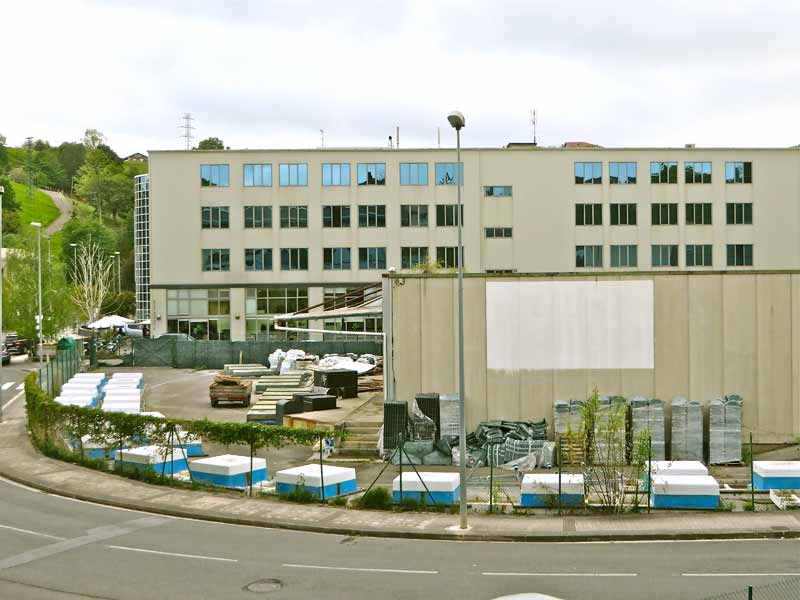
{"x":238,"y":315}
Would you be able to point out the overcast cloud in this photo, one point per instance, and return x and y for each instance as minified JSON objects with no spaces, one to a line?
{"x":271,"y":74}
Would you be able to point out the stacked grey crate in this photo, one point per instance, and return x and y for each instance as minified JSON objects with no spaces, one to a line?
{"x":395,"y":420}
{"x":725,"y":430}
{"x":449,"y":415}
{"x":609,"y":442}
{"x":687,"y":429}
{"x":567,"y":417}
{"x":648,"y":414}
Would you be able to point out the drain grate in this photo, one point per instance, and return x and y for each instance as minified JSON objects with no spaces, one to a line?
{"x":264,"y":586}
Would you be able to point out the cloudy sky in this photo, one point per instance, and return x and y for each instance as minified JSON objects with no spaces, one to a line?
{"x":270,"y":73}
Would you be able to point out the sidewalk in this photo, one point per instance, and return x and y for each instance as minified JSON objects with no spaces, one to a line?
{"x":21,"y":463}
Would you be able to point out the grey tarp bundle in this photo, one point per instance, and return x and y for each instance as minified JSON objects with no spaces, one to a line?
{"x":725,"y":430}
{"x":506,"y":440}
{"x":687,"y":429}
{"x":648,"y":413}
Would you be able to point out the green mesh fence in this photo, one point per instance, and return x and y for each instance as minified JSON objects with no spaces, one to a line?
{"x":59,"y":368}
{"x":786,"y":589}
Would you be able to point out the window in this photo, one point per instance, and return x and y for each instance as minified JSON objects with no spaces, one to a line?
{"x":335,"y":174}
{"x":622,"y":173}
{"x":373,"y":215}
{"x":413,"y":173}
{"x":498,"y":232}
{"x":216,"y":259}
{"x":336,"y":259}
{"x":588,"y":256}
{"x":372,"y":258}
{"x":411,"y":256}
{"x":294,"y":216}
{"x":257,"y":217}
{"x":340,"y":297}
{"x":663,"y":172}
{"x":697,"y":172}
{"x":588,"y":172}
{"x":740,"y":255}
{"x":257,"y":175}
{"x":202,"y":313}
{"x":413,"y":215}
{"x":588,"y":214}
{"x":215,"y":217}
{"x":623,"y":214}
{"x":698,"y":255}
{"x":739,"y":213}
{"x":263,"y":301}
{"x":371,"y":173}
{"x":698,"y":214}
{"x":293,"y":174}
{"x":665,"y":255}
{"x":258,"y":259}
{"x":624,"y":256}
{"x":214,"y":175}
{"x":446,"y":215}
{"x":738,"y":172}
{"x":446,"y":173}
{"x":664,"y":214}
{"x":447,"y":256}
{"x":336,"y":216}
{"x":497,"y":190}
{"x":294,"y":259}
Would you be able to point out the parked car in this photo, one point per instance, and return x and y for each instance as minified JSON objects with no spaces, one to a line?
{"x":181,"y":337}
{"x":137,"y":329}
{"x":17,"y":345}
{"x":5,"y":357}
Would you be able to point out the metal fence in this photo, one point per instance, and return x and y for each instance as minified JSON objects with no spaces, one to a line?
{"x":214,"y":354}
{"x":787,"y":589}
{"x":59,"y":368}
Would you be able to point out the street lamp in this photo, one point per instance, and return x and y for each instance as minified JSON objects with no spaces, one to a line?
{"x":456,"y":120}
{"x":2,"y":337}
{"x":119,"y":274}
{"x":48,"y":237}
{"x":39,"y":318}
{"x":74,"y":257}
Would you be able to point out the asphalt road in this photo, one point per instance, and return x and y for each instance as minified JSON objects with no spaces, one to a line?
{"x":13,"y":382}
{"x":52,"y":547}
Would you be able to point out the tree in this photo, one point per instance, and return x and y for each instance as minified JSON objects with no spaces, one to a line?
{"x":93,"y":279}
{"x":3,"y":154}
{"x":86,"y":231}
{"x":93,"y":138}
{"x":211,"y":143}
{"x":71,"y":156}
{"x":94,"y":179}
{"x":120,"y":194}
{"x":10,"y":207}
{"x":122,"y":304}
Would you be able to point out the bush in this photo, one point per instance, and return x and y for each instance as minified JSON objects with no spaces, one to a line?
{"x":377,"y":498}
{"x":301,"y":496}
{"x":409,"y":504}
{"x":749,"y":506}
{"x":338,"y":501}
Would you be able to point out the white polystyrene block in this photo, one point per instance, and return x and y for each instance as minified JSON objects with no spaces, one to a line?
{"x":231,"y":464}
{"x":436,"y":482}
{"x":130,"y":409}
{"x":127,"y":376}
{"x":547,"y":483}
{"x":678,"y":467}
{"x":153,"y":413}
{"x":88,"y":376}
{"x":150,"y":454}
{"x":310,"y":475}
{"x":777,"y":468}
{"x":685,"y":485}
{"x":74,"y":400}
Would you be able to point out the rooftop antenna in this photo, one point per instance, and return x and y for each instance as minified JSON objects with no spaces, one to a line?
{"x":438,"y":137}
{"x":533,"y":125}
{"x":322,"y":138}
{"x":187,"y":129}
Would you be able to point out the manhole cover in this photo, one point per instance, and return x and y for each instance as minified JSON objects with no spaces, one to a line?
{"x":264,"y":586}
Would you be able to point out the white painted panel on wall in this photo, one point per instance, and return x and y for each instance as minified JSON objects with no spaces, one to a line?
{"x":538,"y":325}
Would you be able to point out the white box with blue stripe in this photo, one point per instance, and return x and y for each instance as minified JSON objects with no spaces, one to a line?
{"x":541,"y":490}
{"x":229,"y":470}
{"x":337,"y":480}
{"x":685,"y":491}
{"x":443,"y":488}
{"x":158,"y":457}
{"x":675,"y":467}
{"x":776,"y":475}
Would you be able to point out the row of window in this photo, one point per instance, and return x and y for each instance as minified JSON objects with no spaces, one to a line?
{"x":333,"y":174}
{"x":372,"y":215}
{"x":622,"y":173}
{"x":333,"y":259}
{"x":663,"y":255}
{"x":664,"y":213}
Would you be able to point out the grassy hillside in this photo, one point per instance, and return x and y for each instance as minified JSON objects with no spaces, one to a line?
{"x":35,"y":207}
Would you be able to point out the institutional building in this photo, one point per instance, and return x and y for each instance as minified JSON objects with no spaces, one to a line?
{"x":226,"y":238}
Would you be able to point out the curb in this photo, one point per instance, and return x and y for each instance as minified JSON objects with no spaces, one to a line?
{"x":398,"y":534}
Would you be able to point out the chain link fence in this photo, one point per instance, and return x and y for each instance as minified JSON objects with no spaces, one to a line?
{"x":787,"y":589}
{"x":59,"y":368}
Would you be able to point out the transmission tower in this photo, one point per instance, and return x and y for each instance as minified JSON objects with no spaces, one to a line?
{"x":187,"y":127}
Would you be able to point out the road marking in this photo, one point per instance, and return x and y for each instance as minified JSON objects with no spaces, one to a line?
{"x":361,"y":570}
{"x":7,"y":385}
{"x":30,"y":532}
{"x":21,"y":386}
{"x":560,"y":574}
{"x":740,"y":574}
{"x":233,"y":560}
{"x":14,"y":399}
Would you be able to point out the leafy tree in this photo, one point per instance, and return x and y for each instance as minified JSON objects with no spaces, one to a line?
{"x":111,"y":156}
{"x":71,"y":156}
{"x":94,"y":179}
{"x":92,"y":138}
{"x":10,"y":207}
{"x":85,"y":231}
{"x":4,"y":161}
{"x":122,"y":304}
{"x":93,"y":280}
{"x":211,"y":143}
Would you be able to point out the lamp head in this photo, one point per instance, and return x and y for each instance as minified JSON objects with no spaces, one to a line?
{"x":456,"y":120}
{"x":36,"y":224}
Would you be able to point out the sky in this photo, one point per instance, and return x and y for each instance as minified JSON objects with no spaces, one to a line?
{"x":271,"y":74}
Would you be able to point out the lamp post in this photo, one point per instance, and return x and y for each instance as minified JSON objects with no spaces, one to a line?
{"x":74,"y":258}
{"x":39,"y":317}
{"x":456,"y":120}
{"x":119,"y":273}
{"x":48,"y":237}
{"x":2,"y":337}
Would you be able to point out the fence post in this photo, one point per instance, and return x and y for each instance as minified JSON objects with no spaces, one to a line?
{"x":321,"y":471}
{"x":649,"y":471}
{"x":752,"y":487}
{"x":749,"y":592}
{"x":491,"y":480}
{"x":401,"y":467}
{"x":559,"y":475}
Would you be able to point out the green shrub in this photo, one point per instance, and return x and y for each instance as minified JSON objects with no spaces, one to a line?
{"x":749,"y":506}
{"x":377,"y":498}
{"x":338,"y":501}
{"x":301,"y":496}
{"x":409,"y":503}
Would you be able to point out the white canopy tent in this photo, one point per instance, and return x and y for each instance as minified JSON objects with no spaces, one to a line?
{"x":109,"y":321}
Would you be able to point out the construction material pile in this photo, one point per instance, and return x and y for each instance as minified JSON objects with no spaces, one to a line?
{"x":725,"y":430}
{"x":648,"y":414}
{"x":567,"y":416}
{"x":247,"y":370}
{"x":610,"y":431}
{"x":687,"y":429}
{"x":227,"y":380}
{"x":506,"y":441}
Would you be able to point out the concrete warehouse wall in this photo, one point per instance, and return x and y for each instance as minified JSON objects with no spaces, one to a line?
{"x":714,"y":334}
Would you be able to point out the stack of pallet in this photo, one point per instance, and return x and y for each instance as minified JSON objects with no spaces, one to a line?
{"x":272,"y":389}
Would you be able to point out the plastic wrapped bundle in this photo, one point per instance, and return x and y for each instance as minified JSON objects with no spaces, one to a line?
{"x":725,"y":430}
{"x":687,"y":429}
{"x":648,"y":414}
{"x":609,"y":431}
{"x":422,"y":426}
{"x":449,"y":415}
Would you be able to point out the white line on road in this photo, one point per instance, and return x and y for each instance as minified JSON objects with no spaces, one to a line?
{"x":362,"y":570}
{"x":14,"y":399}
{"x":740,"y":574}
{"x":29,"y":532}
{"x":21,"y":386}
{"x":560,"y":574}
{"x":216,"y":558}
{"x":7,"y":385}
